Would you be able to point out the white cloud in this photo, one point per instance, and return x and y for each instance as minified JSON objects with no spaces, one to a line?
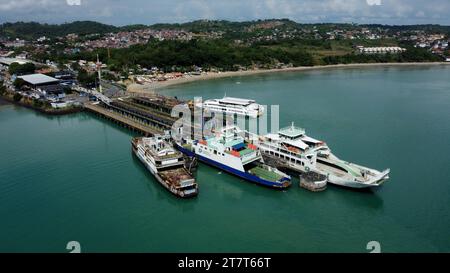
{"x":373,"y":2}
{"x":152,"y":11}
{"x":14,"y":5}
{"x":193,"y":9}
{"x":420,"y":14}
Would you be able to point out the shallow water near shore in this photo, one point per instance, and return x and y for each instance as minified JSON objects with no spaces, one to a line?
{"x":74,"y":177}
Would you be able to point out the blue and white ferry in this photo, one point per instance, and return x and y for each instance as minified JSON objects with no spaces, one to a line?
{"x":229,"y":152}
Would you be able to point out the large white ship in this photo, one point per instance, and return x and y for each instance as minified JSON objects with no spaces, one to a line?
{"x":300,"y":152}
{"x":229,"y":152}
{"x":229,"y":105}
{"x":166,"y":164}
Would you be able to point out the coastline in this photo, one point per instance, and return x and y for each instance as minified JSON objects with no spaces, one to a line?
{"x":48,"y":111}
{"x":144,"y":88}
{"x":3,"y":101}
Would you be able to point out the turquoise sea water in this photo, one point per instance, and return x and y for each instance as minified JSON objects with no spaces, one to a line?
{"x":74,"y":177}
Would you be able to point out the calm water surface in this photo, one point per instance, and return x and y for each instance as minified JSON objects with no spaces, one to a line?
{"x":74,"y":177}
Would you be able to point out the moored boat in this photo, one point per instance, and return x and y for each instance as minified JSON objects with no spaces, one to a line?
{"x":229,"y":152}
{"x":166,"y":164}
{"x":232,"y":106}
{"x":302,"y":153}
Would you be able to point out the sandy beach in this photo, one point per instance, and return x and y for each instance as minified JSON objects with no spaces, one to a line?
{"x":145,"y":88}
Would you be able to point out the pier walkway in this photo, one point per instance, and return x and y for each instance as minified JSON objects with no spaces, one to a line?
{"x":125,"y":121}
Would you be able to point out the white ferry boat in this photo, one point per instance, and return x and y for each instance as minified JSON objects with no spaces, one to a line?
{"x":229,"y":105}
{"x":229,"y":152}
{"x":166,"y":164}
{"x":300,"y":152}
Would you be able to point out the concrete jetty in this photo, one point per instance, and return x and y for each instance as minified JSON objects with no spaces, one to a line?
{"x":126,"y":121}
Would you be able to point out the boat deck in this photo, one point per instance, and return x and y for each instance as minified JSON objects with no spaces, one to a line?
{"x":246,"y":152}
{"x":265,"y":174}
{"x":167,"y":156}
{"x":187,"y":146}
{"x":329,"y":169}
{"x":175,"y":176}
{"x":243,"y":152}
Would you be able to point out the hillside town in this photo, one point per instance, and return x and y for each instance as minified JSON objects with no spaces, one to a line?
{"x":64,"y":71}
{"x":271,"y":30}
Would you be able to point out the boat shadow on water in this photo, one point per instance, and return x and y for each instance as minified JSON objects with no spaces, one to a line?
{"x":363,"y":197}
{"x":233,"y":187}
{"x":359,"y":190}
{"x":357,"y":197}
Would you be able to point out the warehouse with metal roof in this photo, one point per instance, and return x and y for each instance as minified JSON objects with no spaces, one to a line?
{"x":46,"y":84}
{"x":39,"y":79}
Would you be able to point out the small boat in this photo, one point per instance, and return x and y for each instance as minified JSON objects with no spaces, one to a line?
{"x":166,"y":164}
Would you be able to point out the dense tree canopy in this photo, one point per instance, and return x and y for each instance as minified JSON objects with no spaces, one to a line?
{"x":206,"y":54}
{"x":86,"y":79}
{"x":21,"y":69}
{"x":33,"y":30}
{"x":19,"y":83}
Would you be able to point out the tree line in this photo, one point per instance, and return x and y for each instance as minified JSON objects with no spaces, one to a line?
{"x":182,"y":55}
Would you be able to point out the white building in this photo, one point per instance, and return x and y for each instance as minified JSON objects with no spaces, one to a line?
{"x":423,"y":45}
{"x":380,"y":50}
{"x":9,"y":61}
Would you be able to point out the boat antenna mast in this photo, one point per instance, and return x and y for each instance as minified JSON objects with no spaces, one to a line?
{"x":99,"y":70}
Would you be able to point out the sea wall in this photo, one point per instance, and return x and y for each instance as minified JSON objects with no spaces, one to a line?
{"x":44,"y":110}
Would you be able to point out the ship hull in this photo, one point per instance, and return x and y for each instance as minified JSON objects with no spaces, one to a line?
{"x":241,"y":174}
{"x":185,"y":151}
{"x":375,"y":180}
{"x":353,"y":184}
{"x":277,"y":162}
{"x":174,"y":191}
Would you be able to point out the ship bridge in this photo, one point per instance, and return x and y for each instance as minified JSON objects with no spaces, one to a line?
{"x":292,"y":132}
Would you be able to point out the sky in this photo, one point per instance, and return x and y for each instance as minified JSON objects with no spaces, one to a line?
{"x":125,"y":12}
